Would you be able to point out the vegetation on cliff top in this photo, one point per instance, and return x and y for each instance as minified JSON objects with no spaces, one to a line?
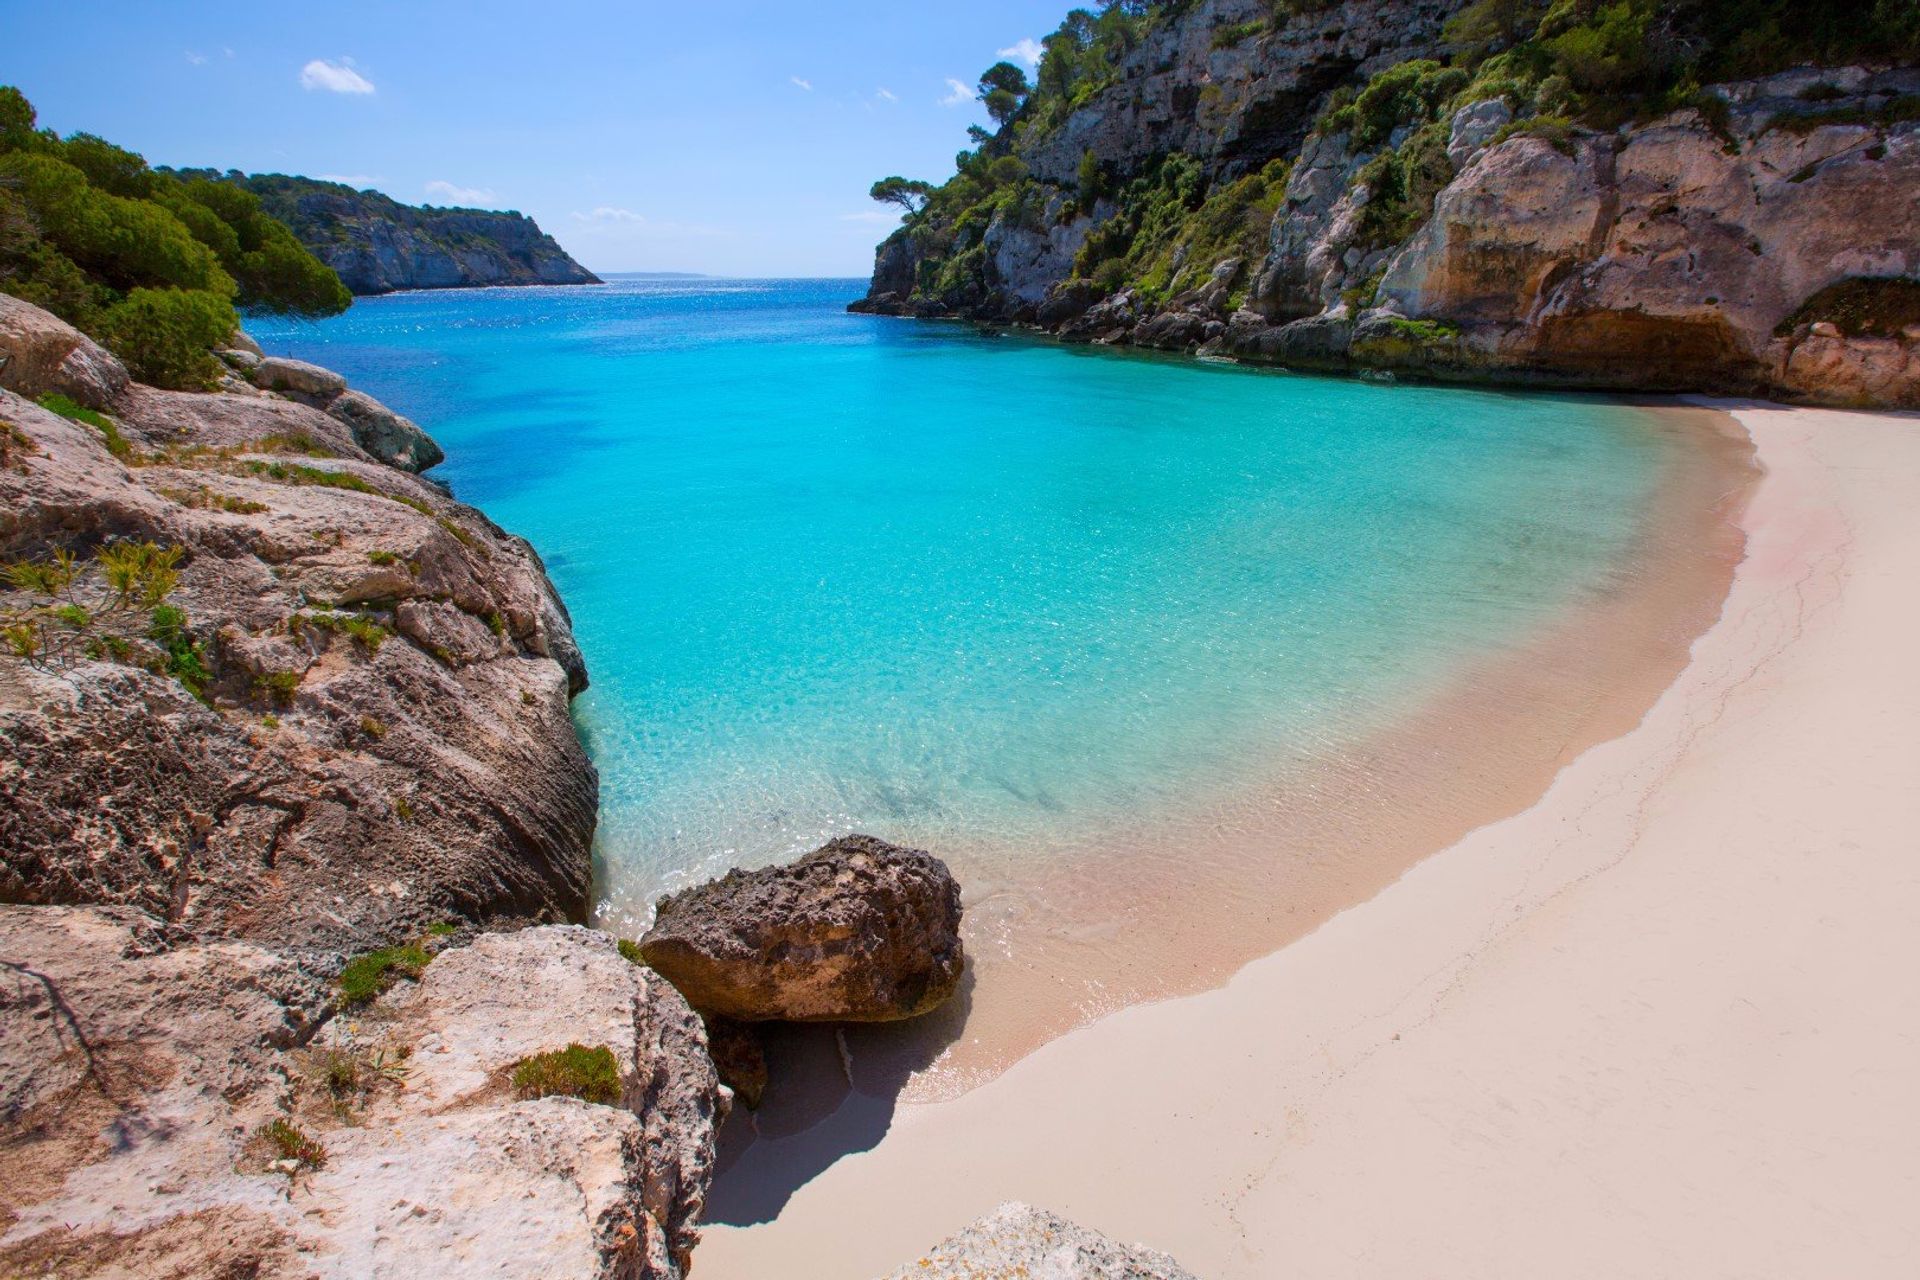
{"x":1559,"y":64}
{"x":149,"y":264}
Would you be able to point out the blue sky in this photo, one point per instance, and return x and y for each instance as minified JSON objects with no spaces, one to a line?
{"x":736,"y":138}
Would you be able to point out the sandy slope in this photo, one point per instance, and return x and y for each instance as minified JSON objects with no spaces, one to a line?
{"x":1664,"y":1023}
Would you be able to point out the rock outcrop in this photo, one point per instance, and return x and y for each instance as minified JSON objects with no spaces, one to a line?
{"x":257,"y":801}
{"x":1448,"y":226}
{"x":174,"y":1107}
{"x":41,"y":353}
{"x":857,"y":931}
{"x":1017,"y":1241}
{"x":378,"y":245}
{"x":290,"y":764}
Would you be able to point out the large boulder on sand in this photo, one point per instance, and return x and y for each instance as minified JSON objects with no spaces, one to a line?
{"x":1020,"y":1240}
{"x":857,"y":931}
{"x":41,"y":353}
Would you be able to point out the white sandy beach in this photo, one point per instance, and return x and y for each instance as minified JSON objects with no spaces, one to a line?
{"x":1666,"y":1022}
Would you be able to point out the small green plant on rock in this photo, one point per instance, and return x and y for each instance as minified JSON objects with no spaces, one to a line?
{"x":69,"y":609}
{"x":577,"y":1071}
{"x":367,"y":977}
{"x":117,"y":445}
{"x":278,"y":687}
{"x":630,"y":951}
{"x":292,"y":1144}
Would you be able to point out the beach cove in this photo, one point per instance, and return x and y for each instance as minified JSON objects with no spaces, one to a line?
{"x":1630,"y":1031}
{"x":1170,"y":665}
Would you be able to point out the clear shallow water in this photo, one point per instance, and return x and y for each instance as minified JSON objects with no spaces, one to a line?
{"x":835,"y":572}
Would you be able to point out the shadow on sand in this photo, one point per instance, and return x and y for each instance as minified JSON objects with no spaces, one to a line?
{"x":830,"y":1093}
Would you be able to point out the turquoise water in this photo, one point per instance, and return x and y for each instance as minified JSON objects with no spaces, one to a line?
{"x":835,"y":572}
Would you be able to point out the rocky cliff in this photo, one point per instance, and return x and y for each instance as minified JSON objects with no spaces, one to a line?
{"x":1361,"y":187}
{"x":378,"y":245}
{"x":283,"y":728}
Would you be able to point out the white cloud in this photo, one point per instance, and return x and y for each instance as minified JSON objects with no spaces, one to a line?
{"x":887,"y":95}
{"x":613,"y":220}
{"x":461,"y":195}
{"x":1027,"y":51}
{"x":960,"y":95}
{"x":197,"y":59}
{"x":334,"y":77}
{"x":358,"y":181}
{"x":804,"y":84}
{"x":607,"y":213}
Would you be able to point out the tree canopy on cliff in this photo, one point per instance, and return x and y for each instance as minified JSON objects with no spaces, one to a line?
{"x":149,"y":264}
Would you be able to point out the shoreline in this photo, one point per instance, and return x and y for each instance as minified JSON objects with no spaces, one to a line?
{"x":1618,"y":1032}
{"x":1198,"y":895}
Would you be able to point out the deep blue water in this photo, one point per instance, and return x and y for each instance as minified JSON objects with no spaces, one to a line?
{"x":837,"y":572}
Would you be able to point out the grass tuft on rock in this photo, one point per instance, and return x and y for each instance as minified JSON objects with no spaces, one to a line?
{"x":293,"y":1144}
{"x":367,"y":977}
{"x":577,"y":1071}
{"x":117,"y":445}
{"x":630,"y":952}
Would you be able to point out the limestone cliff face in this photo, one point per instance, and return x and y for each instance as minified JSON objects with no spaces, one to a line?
{"x":1765,"y":241}
{"x":1192,"y":87}
{"x":378,"y":245}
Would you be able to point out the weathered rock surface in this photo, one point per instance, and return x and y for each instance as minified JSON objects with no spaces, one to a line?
{"x":137,"y":1069}
{"x":280,"y":373}
{"x":41,"y":353}
{"x":1019,"y":1242}
{"x":349,"y":776}
{"x":857,"y":931}
{"x":395,"y":440}
{"x":1236,"y":105}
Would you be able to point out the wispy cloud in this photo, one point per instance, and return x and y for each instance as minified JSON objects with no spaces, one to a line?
{"x":1027,"y":51}
{"x":461,"y":195}
{"x":959,"y":93}
{"x":197,"y":59}
{"x":804,"y":84}
{"x":887,"y":95}
{"x":612,"y":219}
{"x":334,"y":77}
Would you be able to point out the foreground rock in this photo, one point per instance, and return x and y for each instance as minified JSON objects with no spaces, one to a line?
{"x":140,"y":1072}
{"x":41,"y":353}
{"x":359,"y":728}
{"x":1019,"y":1242}
{"x":857,"y":931}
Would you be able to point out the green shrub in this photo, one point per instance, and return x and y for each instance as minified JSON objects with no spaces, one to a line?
{"x":367,"y":977}
{"x":1401,"y":187}
{"x":166,"y":335}
{"x":590,"y":1074}
{"x":630,"y":951}
{"x":85,"y":226}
